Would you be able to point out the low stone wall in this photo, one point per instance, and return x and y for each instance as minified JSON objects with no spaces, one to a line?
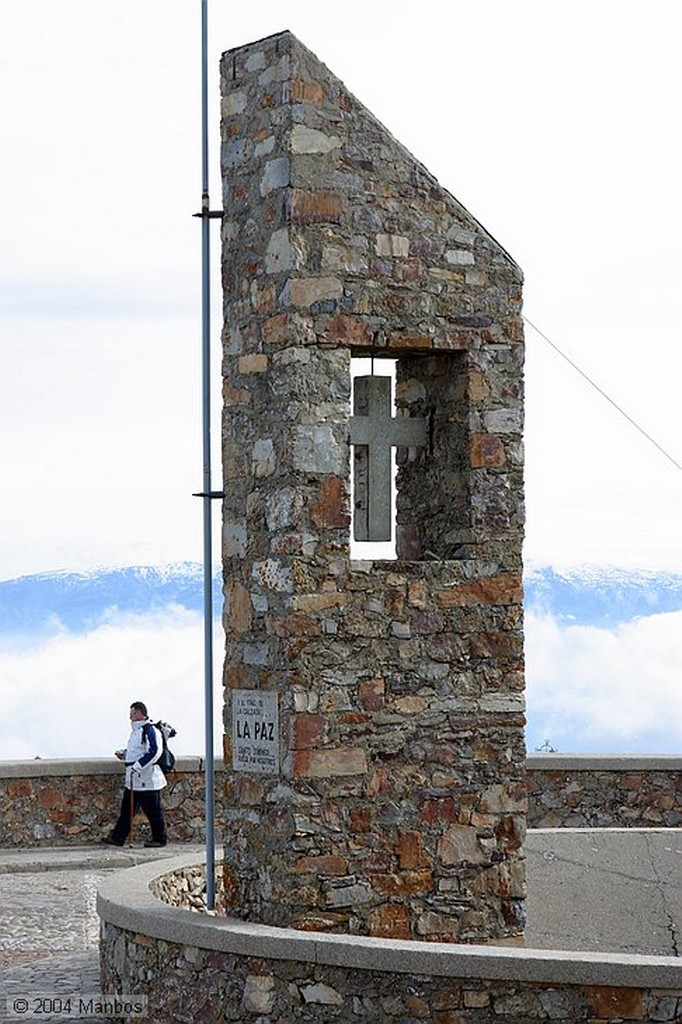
{"x":193,"y":967}
{"x":75,"y":803}
{"x":62,"y":803}
{"x":570,"y":791}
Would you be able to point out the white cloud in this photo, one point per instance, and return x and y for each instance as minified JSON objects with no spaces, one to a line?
{"x":69,"y":696}
{"x":589,"y":690}
{"x":598,"y":690}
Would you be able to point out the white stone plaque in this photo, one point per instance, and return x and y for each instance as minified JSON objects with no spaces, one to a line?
{"x":255,"y":731}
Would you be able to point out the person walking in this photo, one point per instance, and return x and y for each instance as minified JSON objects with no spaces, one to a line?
{"x":144,"y":780}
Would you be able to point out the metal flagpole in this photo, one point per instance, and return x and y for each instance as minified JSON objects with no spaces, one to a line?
{"x":207,"y":494}
{"x":206,"y":419}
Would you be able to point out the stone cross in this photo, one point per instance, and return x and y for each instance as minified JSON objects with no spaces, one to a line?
{"x":374,"y":431}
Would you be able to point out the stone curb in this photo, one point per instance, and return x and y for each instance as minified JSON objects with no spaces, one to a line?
{"x":126,"y":902}
{"x":567,"y":830}
{"x":70,"y":858}
{"x":195,"y":763}
{"x":604,"y":762}
{"x":83,"y":766}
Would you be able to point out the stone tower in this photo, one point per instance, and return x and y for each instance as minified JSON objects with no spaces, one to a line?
{"x":373,"y":709}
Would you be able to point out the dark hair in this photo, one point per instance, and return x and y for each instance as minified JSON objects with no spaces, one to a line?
{"x":139,"y":706}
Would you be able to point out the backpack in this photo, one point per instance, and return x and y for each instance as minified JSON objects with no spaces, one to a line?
{"x":166,"y":760}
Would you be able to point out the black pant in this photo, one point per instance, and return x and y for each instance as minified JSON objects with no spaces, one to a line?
{"x":148,"y":801}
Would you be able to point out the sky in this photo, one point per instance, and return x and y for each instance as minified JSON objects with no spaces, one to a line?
{"x":554,"y":124}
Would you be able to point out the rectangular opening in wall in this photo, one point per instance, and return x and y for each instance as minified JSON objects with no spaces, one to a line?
{"x":373,"y":459}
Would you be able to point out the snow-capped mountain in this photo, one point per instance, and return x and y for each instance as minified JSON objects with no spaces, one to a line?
{"x":78,"y":601}
{"x":600,"y":595}
{"x":595,"y":596}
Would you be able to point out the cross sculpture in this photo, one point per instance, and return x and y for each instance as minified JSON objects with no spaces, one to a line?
{"x":373,"y":432}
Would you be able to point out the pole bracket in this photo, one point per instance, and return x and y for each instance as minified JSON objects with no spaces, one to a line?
{"x":211,"y":214}
{"x":208,"y":494}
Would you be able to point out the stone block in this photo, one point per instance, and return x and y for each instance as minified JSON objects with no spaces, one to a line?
{"x":487,"y":452}
{"x":49,"y":797}
{"x":279,"y":254}
{"x":307,"y":731}
{"x":318,"y":602}
{"x":439,"y":811}
{"x":503,"y":799}
{"x":288,"y":328}
{"x":235,"y":540}
{"x":320,"y":921}
{"x":321,"y":865}
{"x":390,"y":921}
{"x":238,"y":609}
{"x":307,"y":291}
{"x":503,"y":589}
{"x":275,"y":175}
{"x":331,"y":512}
{"x":339,"y":259}
{"x":411,"y":851}
{"x":404,"y":883}
{"x":316,"y":450}
{"x":503,"y":421}
{"x":392,"y":245}
{"x":315,"y":207}
{"x":349,"y":896}
{"x":250,"y":790}
{"x":233,"y":103}
{"x":433,"y":926}
{"x":259,"y":993}
{"x":614,"y":1003}
{"x":322,"y":994}
{"x":306,"y":92}
{"x":17,"y":787}
{"x":459,"y":257}
{"x":273,"y":575}
{"x":328,"y":764}
{"x":406,"y":340}
{"x":263,"y":461}
{"x":361,"y":820}
{"x":305,"y":140}
{"x":475,"y":998}
{"x":293,"y":625}
{"x":281,"y":508}
{"x":409,"y":705}
{"x":461,"y":845}
{"x":343,"y":329}
{"x":263,"y":297}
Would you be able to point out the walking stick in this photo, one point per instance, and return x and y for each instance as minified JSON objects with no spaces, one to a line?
{"x":132,"y":808}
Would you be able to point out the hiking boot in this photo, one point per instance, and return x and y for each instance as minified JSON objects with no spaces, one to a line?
{"x":110,"y":841}
{"x":154,"y":843}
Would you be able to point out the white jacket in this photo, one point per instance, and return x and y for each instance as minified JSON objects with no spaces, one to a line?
{"x":140,"y":758}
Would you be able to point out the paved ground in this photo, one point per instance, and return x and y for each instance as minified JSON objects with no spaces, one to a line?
{"x":49,"y":929}
{"x":608,"y":890}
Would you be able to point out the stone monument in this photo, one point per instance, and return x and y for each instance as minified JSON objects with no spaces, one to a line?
{"x":374,"y":710}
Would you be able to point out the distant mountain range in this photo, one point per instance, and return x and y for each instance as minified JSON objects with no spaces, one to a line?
{"x":79,"y":600}
{"x":601,"y":595}
{"x":41,"y":603}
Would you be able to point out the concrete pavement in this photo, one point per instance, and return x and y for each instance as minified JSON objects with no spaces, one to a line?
{"x":609,"y":890}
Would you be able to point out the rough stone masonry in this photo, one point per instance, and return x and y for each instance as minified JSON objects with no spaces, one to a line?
{"x":374,"y":709}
